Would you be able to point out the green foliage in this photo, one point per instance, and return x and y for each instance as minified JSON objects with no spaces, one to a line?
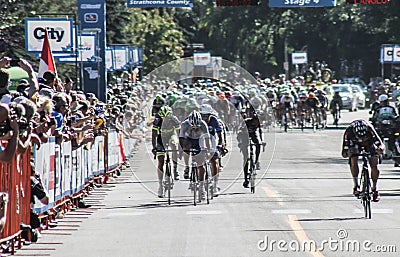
{"x":251,"y":36}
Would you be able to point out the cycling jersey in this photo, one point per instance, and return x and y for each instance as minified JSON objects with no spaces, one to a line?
{"x":370,"y":141}
{"x":165,"y":128}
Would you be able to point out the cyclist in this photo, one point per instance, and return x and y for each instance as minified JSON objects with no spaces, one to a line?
{"x":312,"y":102}
{"x":215,"y":130}
{"x":287,"y":103}
{"x":362,"y":135}
{"x":383,"y":112}
{"x":164,"y":134}
{"x":248,"y":131}
{"x":194,"y":134}
{"x":335,"y":106}
{"x":324,"y":103}
{"x":158,"y":102}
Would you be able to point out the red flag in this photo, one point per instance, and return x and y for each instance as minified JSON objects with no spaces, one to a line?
{"x":46,"y":58}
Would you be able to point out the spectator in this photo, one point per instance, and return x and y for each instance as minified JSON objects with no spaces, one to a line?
{"x":9,"y":131}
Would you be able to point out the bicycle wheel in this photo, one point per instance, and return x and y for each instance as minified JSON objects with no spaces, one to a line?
{"x":194,"y":185}
{"x":366,"y":194}
{"x":326,"y":75}
{"x":252,"y":177}
{"x":309,"y":76}
{"x":286,"y":122}
{"x":168,"y":180}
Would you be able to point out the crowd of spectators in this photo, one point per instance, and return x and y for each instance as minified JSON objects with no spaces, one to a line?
{"x":49,"y":106}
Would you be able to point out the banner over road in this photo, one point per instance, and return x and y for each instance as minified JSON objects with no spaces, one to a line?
{"x":159,"y":3}
{"x":301,"y":3}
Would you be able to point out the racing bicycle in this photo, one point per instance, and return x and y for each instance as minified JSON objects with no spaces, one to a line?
{"x":252,"y":166}
{"x":365,"y":183}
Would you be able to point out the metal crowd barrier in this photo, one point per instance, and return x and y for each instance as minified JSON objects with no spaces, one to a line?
{"x":65,"y":174}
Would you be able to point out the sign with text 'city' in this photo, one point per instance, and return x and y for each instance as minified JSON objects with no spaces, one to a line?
{"x":159,"y":3}
{"x":390,"y":54}
{"x":59,"y":31}
{"x":301,"y":3}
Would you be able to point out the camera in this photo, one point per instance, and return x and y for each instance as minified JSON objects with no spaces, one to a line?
{"x":5,"y":128}
{"x":14,"y":62}
{"x":52,"y":122}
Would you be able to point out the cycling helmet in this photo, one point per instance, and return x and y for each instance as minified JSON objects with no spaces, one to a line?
{"x":383,"y":98}
{"x":360,"y":130}
{"x":311,"y":95}
{"x":206,"y":109}
{"x":194,"y":118}
{"x":165,"y":111}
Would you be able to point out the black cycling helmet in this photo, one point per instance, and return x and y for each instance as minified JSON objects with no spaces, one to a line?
{"x":360,"y":130}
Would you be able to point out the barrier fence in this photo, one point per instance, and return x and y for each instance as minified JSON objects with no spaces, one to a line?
{"x":65,"y":174}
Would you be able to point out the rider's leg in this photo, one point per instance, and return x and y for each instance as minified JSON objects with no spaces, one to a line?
{"x":353,"y":161}
{"x":175,"y":161}
{"x":373,"y":162}
{"x":160,"y":172}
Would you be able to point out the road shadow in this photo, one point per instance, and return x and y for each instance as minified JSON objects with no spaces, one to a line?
{"x":154,"y":205}
{"x":322,"y":160}
{"x":333,"y":219}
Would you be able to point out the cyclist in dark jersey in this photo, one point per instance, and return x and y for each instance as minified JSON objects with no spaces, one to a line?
{"x":164,"y":135}
{"x":361,"y":135}
{"x":248,"y":131}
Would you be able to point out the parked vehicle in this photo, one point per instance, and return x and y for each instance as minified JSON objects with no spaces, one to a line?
{"x":359,"y":94}
{"x":349,"y":99}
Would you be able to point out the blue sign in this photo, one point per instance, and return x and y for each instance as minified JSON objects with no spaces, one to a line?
{"x":159,"y":3}
{"x":91,"y":15}
{"x":301,"y":3}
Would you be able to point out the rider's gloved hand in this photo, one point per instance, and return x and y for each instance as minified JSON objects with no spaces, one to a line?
{"x":154,"y":151}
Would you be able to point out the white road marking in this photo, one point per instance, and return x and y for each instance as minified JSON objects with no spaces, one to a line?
{"x":126,"y":214}
{"x":291,"y":211}
{"x":374,"y":210}
{"x":203,"y":212}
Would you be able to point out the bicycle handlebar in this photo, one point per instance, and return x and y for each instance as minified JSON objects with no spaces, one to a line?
{"x":366,"y":154}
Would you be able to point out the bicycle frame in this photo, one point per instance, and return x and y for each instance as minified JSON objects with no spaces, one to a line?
{"x":365,"y":183}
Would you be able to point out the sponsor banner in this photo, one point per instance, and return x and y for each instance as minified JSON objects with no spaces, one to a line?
{"x":109,"y":59}
{"x":237,"y":2}
{"x":121,"y":59}
{"x":66,"y":149}
{"x":45,"y":167}
{"x":100,"y":155}
{"x":91,"y":16}
{"x":60,"y":31}
{"x":58,"y":172}
{"x":301,"y":3}
{"x":159,"y":3}
{"x":113,"y":149}
{"x":299,"y":58}
{"x":86,"y":50}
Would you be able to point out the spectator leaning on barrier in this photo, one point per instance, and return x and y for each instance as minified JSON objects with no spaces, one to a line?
{"x":9,"y":132}
{"x":60,"y":111}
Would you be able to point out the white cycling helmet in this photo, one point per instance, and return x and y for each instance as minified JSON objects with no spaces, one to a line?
{"x":382,"y":98}
{"x":194,"y":118}
{"x":206,"y":109}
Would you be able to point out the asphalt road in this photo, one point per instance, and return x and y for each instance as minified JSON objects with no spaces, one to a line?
{"x":303,"y":198}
